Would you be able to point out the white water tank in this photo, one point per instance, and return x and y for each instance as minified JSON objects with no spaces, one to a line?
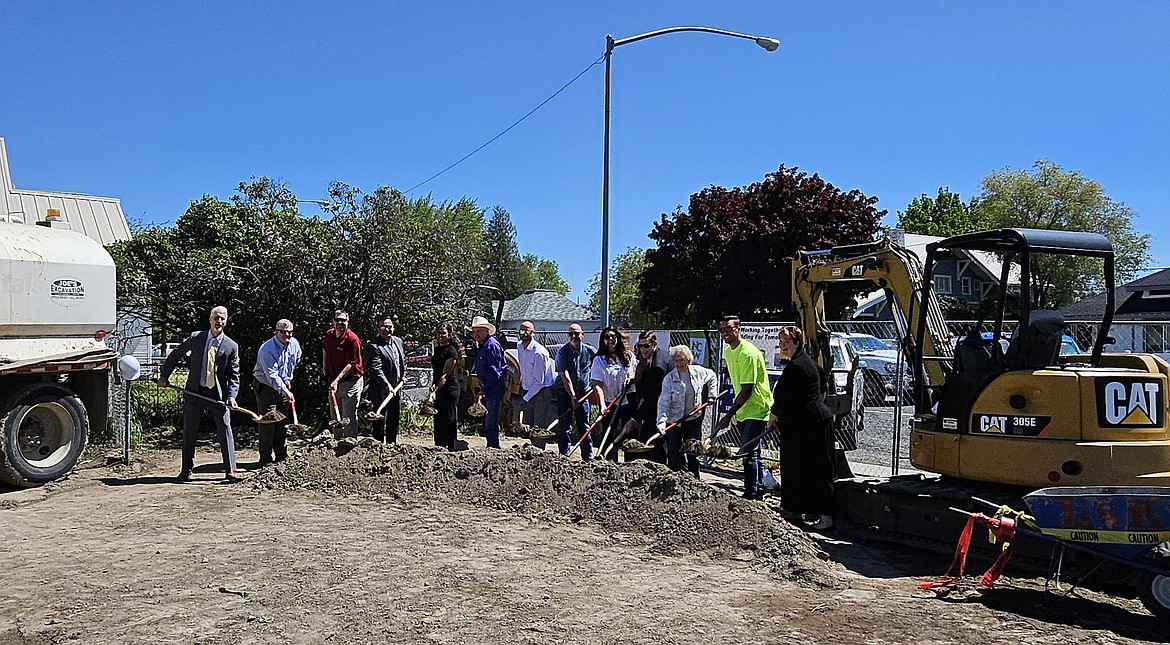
{"x":53,"y":283}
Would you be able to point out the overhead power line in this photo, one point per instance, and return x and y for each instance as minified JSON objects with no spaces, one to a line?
{"x":505,"y":131}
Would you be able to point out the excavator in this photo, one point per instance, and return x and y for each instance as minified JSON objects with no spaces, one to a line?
{"x":996,"y":415}
{"x":1022,"y":415}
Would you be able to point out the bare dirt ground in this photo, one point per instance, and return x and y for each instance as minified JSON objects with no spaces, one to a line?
{"x":370,"y":544}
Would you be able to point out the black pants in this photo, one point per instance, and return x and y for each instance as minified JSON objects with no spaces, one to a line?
{"x":676,"y":459}
{"x":273,"y":436}
{"x":447,"y":404}
{"x":387,"y":428}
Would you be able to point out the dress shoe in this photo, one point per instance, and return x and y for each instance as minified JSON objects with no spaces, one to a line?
{"x":752,"y":496}
{"x":184,"y":476}
{"x":234,"y":476}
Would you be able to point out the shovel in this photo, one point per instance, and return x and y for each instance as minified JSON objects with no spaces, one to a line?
{"x":477,"y":409}
{"x":592,"y":426}
{"x":547,"y":433}
{"x":335,"y":423}
{"x":749,"y":445}
{"x":255,"y":417}
{"x":601,"y":447}
{"x":670,"y":427}
{"x":617,"y":441}
{"x":295,"y":426}
{"x":376,"y":415}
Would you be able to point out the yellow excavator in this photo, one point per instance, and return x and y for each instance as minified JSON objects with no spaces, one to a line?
{"x":1000,"y":409}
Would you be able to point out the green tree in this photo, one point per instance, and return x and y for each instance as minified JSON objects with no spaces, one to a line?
{"x":729,"y":251}
{"x":502,"y":265}
{"x":543,"y":274}
{"x":626,"y":305}
{"x":373,"y":255}
{"x":944,"y":215}
{"x":1048,"y":197}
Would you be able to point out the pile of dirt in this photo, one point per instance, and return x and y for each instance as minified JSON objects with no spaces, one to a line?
{"x":642,"y":501}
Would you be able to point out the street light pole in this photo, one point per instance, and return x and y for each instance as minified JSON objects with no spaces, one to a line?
{"x":769,"y":44}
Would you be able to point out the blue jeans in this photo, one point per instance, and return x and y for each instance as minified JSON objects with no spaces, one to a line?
{"x":565,"y":425}
{"x":750,"y":431}
{"x":491,"y":421}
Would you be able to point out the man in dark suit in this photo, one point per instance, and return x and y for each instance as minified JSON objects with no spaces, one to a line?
{"x":387,"y":369}
{"x":214,"y":372}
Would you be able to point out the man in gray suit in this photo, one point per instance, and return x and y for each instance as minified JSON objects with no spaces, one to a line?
{"x":387,"y":368}
{"x":214,"y":372}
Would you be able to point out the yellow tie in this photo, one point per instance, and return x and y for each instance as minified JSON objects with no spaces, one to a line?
{"x":209,"y":375}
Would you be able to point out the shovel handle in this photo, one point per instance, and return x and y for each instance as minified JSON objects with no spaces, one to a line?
{"x":385,"y":402}
{"x":292,"y":405}
{"x":255,"y":417}
{"x":672,"y":426}
{"x":594,"y":424}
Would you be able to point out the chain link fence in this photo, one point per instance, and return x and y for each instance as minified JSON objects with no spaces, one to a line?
{"x":156,"y":413}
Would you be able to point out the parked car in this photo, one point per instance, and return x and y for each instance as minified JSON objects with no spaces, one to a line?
{"x":846,"y":365}
{"x":880,"y":363}
{"x":1068,"y":344}
{"x":162,"y":350}
{"x":419,"y":355}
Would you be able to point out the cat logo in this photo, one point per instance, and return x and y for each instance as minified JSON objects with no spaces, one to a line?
{"x":1131,"y":402}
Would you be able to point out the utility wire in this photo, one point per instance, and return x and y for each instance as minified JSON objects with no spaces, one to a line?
{"x":518,"y":122}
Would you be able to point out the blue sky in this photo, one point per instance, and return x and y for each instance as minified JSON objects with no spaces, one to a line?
{"x":159,"y":103}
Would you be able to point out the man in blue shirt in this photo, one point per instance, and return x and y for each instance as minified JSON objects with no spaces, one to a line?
{"x":492,"y":370}
{"x":573,"y":361}
{"x":275,"y":362}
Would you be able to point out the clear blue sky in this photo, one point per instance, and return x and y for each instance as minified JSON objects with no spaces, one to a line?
{"x":159,"y":103}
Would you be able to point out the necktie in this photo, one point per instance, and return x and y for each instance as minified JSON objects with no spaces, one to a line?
{"x":209,"y":374}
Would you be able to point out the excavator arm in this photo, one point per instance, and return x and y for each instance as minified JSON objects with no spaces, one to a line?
{"x":899,"y":273}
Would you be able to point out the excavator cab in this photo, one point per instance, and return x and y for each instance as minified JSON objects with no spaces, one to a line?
{"x":1026,"y":415}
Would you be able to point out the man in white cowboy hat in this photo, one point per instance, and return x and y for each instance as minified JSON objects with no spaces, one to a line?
{"x":492,"y":370}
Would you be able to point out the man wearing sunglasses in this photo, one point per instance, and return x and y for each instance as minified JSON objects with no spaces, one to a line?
{"x":342,"y":361}
{"x":387,"y":369}
{"x":272,"y":385}
{"x":573,"y":362}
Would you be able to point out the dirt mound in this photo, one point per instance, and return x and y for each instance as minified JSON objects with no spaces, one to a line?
{"x":642,"y":501}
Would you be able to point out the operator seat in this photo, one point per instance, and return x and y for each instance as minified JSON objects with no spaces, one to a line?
{"x":1045,"y":329}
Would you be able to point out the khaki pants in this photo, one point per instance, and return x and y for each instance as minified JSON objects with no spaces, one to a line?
{"x":348,"y":395}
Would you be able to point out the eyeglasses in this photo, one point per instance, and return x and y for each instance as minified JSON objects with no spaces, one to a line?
{"x":384,"y":327}
{"x":284,"y":331}
{"x":643,"y":345}
{"x":344,"y":321}
{"x":609,"y":337}
{"x":575,"y":333}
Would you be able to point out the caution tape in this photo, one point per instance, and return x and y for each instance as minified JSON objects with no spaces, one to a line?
{"x":1095,"y":536}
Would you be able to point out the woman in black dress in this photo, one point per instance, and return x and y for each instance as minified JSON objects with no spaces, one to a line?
{"x":445,"y":384}
{"x":807,"y":469}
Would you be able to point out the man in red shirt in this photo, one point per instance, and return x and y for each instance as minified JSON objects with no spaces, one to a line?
{"x":342,"y":360}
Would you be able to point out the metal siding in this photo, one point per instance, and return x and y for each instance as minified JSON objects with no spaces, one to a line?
{"x":100,"y":218}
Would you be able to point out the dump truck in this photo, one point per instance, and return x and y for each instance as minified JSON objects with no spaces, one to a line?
{"x":57,"y":307}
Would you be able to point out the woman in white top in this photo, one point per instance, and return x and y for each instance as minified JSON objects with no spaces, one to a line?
{"x":685,"y":388}
{"x":612,"y":369}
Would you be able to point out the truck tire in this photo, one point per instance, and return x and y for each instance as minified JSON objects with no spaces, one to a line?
{"x":43,"y":430}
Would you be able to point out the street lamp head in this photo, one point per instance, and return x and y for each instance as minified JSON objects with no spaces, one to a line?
{"x":770,"y":44}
